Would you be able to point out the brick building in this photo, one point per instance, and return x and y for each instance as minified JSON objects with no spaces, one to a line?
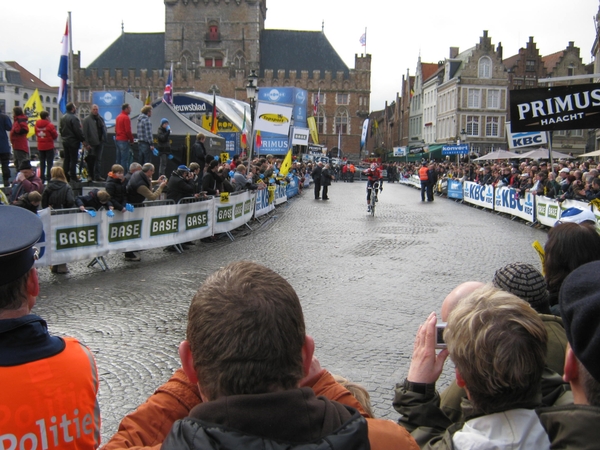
{"x":214,"y":45}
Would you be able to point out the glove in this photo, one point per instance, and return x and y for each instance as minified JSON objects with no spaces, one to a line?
{"x":170,"y":156}
{"x":110,"y":213}
{"x":168,"y":127}
{"x":217,"y":158}
{"x":129,"y":207}
{"x":262,"y":176}
{"x":155,"y":152}
{"x":228,"y":161}
{"x":271,"y":180}
{"x":231,"y":173}
{"x":91,"y":213}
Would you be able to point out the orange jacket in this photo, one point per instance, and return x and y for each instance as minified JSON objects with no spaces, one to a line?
{"x":52,"y":401}
{"x":423,"y":173}
{"x":151,"y":422}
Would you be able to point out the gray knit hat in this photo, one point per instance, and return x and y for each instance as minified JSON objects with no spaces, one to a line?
{"x":526,"y":282}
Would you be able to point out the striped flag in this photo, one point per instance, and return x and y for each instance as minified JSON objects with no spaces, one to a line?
{"x":363,"y":40}
{"x":168,"y":94}
{"x":258,"y":139}
{"x":244,"y":132}
{"x":316,"y":107}
{"x":213,"y":125}
{"x":63,"y":71}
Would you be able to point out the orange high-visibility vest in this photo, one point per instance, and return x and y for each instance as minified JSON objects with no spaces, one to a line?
{"x":51,"y":403}
{"x":423,"y":173}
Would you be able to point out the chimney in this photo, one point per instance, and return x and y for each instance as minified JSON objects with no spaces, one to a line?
{"x":453,"y":52}
{"x":499,"y":50}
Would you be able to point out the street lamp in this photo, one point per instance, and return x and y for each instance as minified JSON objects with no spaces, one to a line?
{"x":463,"y":140}
{"x":251,"y":91}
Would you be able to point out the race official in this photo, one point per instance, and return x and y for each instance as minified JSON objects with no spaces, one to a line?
{"x":48,"y":384}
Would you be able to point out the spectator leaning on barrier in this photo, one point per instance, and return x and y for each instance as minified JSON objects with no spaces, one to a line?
{"x":30,"y":201}
{"x":139,"y":187}
{"x":593,"y":191}
{"x":96,"y":199}
{"x":498,"y":345}
{"x":116,"y":187}
{"x":181,"y":184}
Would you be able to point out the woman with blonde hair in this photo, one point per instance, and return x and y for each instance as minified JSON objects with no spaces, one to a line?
{"x":58,"y":194}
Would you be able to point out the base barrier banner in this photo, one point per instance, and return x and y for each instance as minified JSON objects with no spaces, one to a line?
{"x":547,"y":210}
{"x":233,"y":213}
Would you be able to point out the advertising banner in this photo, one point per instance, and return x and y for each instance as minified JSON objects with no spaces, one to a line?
{"x":363,"y":136}
{"x":455,"y":189}
{"x":233,"y":213}
{"x":263,"y":205}
{"x":462,"y":149}
{"x":292,"y":187}
{"x":506,"y":200}
{"x":300,"y":136}
{"x":478,"y":195}
{"x":109,"y":105}
{"x":280,"y":194}
{"x":555,"y":108}
{"x":272,"y":118}
{"x":399,"y":151}
{"x":547,"y":210}
{"x":525,"y":139}
{"x":312,"y":126}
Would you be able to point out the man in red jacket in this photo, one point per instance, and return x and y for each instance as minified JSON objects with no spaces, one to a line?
{"x":46,"y":134}
{"x":18,"y":136}
{"x":124,"y":137}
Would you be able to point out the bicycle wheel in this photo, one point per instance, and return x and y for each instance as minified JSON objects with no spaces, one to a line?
{"x":373,"y":197}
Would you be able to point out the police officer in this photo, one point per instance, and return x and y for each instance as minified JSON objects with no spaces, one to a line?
{"x":49,"y":384}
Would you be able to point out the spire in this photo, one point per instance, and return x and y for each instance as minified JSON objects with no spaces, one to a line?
{"x":122,"y":27}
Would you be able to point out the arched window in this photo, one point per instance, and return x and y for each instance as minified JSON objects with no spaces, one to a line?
{"x":25,"y":96}
{"x":54,"y":100}
{"x":485,"y":67}
{"x":47,"y":99}
{"x":321,"y":124}
{"x":341,"y":121}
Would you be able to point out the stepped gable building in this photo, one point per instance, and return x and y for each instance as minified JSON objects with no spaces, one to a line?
{"x":527,"y":67}
{"x":214,"y":45}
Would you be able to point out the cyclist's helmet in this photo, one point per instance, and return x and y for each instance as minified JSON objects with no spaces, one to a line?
{"x":577,"y":215}
{"x":373,"y":166}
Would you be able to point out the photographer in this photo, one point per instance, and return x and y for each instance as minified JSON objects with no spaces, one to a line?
{"x":498,"y":345}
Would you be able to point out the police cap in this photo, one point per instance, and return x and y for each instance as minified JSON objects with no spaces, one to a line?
{"x":20,"y":229}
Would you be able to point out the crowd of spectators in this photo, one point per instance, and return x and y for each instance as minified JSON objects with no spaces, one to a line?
{"x":567,"y":180}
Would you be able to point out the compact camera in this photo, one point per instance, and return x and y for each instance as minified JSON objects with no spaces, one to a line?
{"x":439,"y":335}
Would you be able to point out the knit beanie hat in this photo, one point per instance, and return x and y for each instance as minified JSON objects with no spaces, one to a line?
{"x":526,"y":282}
{"x":163,"y":121}
{"x":579,"y":300}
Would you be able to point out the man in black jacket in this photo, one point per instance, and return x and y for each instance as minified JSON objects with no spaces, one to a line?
{"x":180,"y":185}
{"x":316,"y":176}
{"x":72,"y":136}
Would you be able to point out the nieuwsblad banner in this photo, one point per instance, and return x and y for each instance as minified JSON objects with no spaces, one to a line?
{"x":555,"y":108}
{"x":264,"y":203}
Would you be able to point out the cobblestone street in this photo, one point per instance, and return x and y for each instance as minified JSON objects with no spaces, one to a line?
{"x":366,"y":283}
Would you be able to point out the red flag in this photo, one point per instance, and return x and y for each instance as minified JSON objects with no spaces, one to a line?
{"x":258,"y":139}
{"x":213,"y":126}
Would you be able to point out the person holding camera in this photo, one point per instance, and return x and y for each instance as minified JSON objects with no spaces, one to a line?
{"x":498,"y":345}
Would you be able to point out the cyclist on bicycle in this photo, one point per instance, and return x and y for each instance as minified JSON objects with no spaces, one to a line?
{"x":374,"y":174}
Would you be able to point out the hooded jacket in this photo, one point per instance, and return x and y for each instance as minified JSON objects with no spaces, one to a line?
{"x":58,"y":195}
{"x":18,"y":133}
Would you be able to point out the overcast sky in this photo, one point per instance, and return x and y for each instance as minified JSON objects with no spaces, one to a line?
{"x":396,"y":35}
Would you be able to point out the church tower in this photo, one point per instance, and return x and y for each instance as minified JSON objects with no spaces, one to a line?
{"x":219,"y":34}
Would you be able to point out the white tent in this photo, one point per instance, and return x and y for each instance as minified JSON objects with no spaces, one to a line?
{"x":498,"y":154}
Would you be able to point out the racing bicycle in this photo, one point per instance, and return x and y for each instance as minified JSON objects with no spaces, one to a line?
{"x":374,"y":190}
